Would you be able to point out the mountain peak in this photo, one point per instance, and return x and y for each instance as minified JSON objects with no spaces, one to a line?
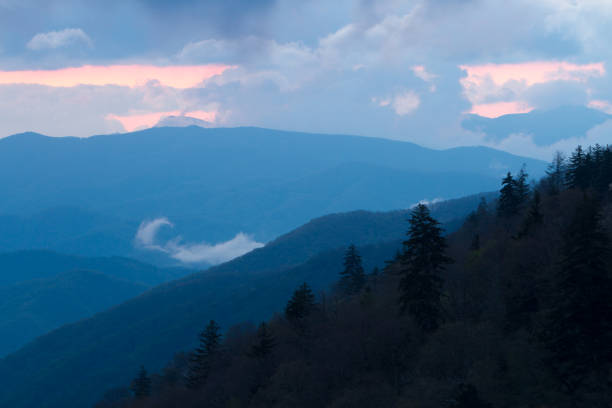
{"x":182,"y":121}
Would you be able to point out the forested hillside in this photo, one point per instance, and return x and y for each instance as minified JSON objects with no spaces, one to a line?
{"x":511,"y":310}
{"x":150,"y":328}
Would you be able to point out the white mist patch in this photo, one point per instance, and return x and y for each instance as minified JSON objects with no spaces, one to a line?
{"x":198,"y":252}
{"x":214,"y":254}
{"x":145,"y":236}
{"x":427,"y":202}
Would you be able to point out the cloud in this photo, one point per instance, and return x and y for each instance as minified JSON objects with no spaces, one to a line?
{"x":147,"y":231}
{"x":427,"y":202}
{"x":137,"y":121}
{"x":180,"y":77}
{"x":59,"y":39}
{"x":421,"y":72}
{"x":402,"y":104}
{"x":193,"y":253}
{"x":524,"y":145}
{"x":319,"y":76}
{"x":84,"y":110}
{"x":406,"y":103}
{"x":604,"y":106}
{"x":496,"y":109}
{"x":498,"y":89}
{"x":213,"y":254}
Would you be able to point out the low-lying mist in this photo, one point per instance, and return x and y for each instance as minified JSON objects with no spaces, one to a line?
{"x":192,"y":252}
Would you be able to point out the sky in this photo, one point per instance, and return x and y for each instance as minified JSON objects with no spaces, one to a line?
{"x":407,"y":70}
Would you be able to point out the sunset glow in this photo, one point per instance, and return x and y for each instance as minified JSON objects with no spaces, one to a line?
{"x":494,"y":110}
{"x":121,"y":75}
{"x":487,"y":81}
{"x":146,"y":120}
{"x":531,"y":72}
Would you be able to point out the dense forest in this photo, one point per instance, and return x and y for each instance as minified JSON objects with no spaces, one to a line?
{"x":511,"y":310}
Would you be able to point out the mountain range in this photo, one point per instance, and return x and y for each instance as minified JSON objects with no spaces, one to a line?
{"x":89,"y":196}
{"x":149,"y":328}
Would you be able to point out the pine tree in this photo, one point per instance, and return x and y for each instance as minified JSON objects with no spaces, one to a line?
{"x":423,"y":260}
{"x":521,"y":187}
{"x":265,"y":343}
{"x":556,"y":174}
{"x":534,"y":216}
{"x":301,"y":304}
{"x":579,"y":328}
{"x":203,"y":357}
{"x":475,"y":244}
{"x":577,"y":170}
{"x":508,"y":201}
{"x":602,"y":168}
{"x":605,"y":179}
{"x":141,"y":385}
{"x":353,"y":276}
{"x":483,"y":208}
{"x":374,"y":276}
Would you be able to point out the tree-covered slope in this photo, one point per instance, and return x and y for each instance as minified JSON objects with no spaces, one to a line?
{"x":149,"y":328}
{"x":511,"y":310}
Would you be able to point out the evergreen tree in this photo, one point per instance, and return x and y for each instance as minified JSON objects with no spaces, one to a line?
{"x":605,"y":179}
{"x":301,"y":304}
{"x":534,"y":216}
{"x":374,"y":276}
{"x":141,"y":385}
{"x":423,"y":260}
{"x":353,"y":276}
{"x":577,"y":171}
{"x":475,"y":244}
{"x":556,"y":174}
{"x":265,"y":342}
{"x":579,"y":328}
{"x":204,"y":355}
{"x":508,"y":198}
{"x":476,"y":216}
{"x":521,"y":188}
{"x":483,"y":208}
{"x":602,"y":162}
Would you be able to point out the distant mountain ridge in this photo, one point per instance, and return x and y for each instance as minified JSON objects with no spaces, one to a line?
{"x":43,"y":290}
{"x":213,"y":183}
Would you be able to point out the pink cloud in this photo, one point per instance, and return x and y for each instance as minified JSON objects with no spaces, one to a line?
{"x":601,"y":105}
{"x":122,"y":75}
{"x":487,"y":82}
{"x":494,"y":110}
{"x":532,"y":72}
{"x":146,"y":120}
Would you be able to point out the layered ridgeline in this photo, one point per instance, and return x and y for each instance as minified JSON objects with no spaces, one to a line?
{"x":107,"y":348}
{"x":42,"y":290}
{"x":511,"y":310}
{"x":214,"y":183}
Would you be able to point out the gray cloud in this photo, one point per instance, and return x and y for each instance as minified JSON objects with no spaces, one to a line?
{"x":557,"y":93}
{"x":58,"y":39}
